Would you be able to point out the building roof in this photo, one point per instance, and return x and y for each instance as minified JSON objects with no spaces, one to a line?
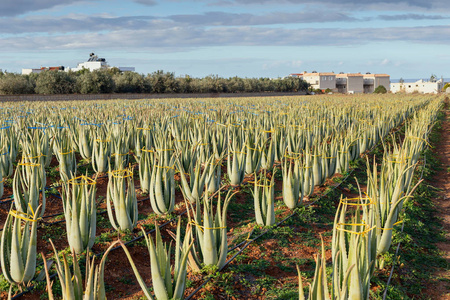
{"x":320,"y":74}
{"x":354,"y":75}
{"x":375,"y":75}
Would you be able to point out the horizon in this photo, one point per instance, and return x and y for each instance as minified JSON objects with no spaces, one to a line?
{"x":406,"y":39}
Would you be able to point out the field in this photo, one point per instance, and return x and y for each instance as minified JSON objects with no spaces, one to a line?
{"x":251,"y":194}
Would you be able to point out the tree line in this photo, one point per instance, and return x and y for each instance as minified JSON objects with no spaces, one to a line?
{"x":114,"y":81}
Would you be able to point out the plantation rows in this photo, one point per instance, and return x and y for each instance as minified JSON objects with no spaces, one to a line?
{"x":217,"y":173}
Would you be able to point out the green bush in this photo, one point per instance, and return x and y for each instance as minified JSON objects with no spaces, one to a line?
{"x":55,"y":82}
{"x":96,"y":82}
{"x":114,"y":81}
{"x":380,"y":90}
{"x":11,"y":84}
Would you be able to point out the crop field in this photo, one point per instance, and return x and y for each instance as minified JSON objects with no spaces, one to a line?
{"x":300,"y":197}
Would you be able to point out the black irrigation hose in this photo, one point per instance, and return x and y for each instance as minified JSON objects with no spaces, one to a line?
{"x":11,"y":197}
{"x":233,"y":248}
{"x":248,"y":242}
{"x":398,"y":246}
{"x":30,"y":288}
{"x":208,"y":279}
{"x":275,"y":226}
{"x":392,"y":269}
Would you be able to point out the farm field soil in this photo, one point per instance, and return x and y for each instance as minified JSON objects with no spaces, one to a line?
{"x":267,"y":268}
{"x":442,"y":182}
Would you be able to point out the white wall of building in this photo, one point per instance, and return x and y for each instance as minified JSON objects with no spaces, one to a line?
{"x":420,"y":86}
{"x":91,"y":65}
{"x":29,"y":71}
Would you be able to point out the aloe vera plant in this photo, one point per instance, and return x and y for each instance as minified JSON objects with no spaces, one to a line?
{"x":122,"y":195}
{"x":1,"y":182}
{"x":264,"y":199}
{"x":162,"y":187}
{"x":319,"y":289}
{"x":389,"y":189}
{"x":354,"y":245}
{"x":119,"y":151}
{"x":197,"y":179}
{"x":164,"y":286}
{"x":63,"y":148}
{"x":18,"y":247}
{"x":210,"y":243}
{"x":146,"y":162}
{"x":293,"y":181}
{"x":236,"y":164}
{"x":101,"y":151}
{"x":9,"y":144}
{"x":268,"y":154}
{"x":78,"y":198}
{"x":214,"y":176}
{"x":72,"y":285}
{"x":84,"y":141}
{"x":27,"y":188}
{"x":253,"y":155}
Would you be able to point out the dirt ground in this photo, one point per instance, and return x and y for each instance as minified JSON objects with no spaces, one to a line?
{"x":442,"y":182}
{"x":121,"y":282}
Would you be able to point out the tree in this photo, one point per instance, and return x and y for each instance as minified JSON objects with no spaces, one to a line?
{"x":446,"y":86}
{"x":12,"y":84}
{"x":96,"y":82}
{"x":131,"y":82}
{"x":56,"y":82}
{"x":433,"y":78}
{"x":380,"y":90}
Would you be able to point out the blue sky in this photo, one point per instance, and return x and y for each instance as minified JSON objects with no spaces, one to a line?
{"x":246,"y":38}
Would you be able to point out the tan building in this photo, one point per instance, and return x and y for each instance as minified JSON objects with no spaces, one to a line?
{"x":372,"y":81}
{"x":351,"y":83}
{"x":321,"y":81}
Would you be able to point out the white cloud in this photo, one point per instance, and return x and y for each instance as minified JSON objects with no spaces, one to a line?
{"x":182,"y":38}
{"x":18,"y":7}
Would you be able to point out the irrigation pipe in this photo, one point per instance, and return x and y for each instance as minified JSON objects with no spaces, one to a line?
{"x":233,"y":248}
{"x":208,"y":279}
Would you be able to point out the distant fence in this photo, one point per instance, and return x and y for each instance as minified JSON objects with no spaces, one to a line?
{"x":93,"y":97}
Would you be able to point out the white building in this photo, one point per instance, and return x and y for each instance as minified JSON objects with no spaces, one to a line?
{"x":42,"y":69}
{"x":92,"y":64}
{"x":96,"y":63}
{"x":420,"y":86}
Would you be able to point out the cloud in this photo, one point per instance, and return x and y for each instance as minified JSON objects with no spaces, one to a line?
{"x":234,"y":19}
{"x":355,"y":4}
{"x":181,"y":38}
{"x":404,"y":17}
{"x":18,"y":7}
{"x":78,"y":23}
{"x":146,"y":2}
{"x":95,"y":23}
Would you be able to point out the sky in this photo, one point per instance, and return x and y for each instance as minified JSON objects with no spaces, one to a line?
{"x":245,"y":38}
